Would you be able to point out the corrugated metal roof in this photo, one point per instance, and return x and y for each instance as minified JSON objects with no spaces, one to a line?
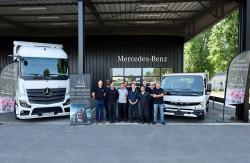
{"x":189,"y":16}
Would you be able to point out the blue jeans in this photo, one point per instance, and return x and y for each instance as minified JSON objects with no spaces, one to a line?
{"x":156,"y":106}
{"x":99,"y":106}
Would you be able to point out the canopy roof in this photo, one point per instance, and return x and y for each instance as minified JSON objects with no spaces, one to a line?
{"x":57,"y":18}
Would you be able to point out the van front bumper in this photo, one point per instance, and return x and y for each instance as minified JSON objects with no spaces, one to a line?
{"x":186,"y":113}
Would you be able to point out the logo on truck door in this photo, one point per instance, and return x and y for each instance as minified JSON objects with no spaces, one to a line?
{"x":47,"y":91}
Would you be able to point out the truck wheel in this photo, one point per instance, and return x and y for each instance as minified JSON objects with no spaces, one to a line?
{"x":15,"y":112}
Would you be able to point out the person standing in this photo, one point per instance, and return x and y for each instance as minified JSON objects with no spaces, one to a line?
{"x":144,"y":83}
{"x":122,"y":103}
{"x":128,"y":89}
{"x":99,"y":95}
{"x":144,"y":98}
{"x":151,"y":105}
{"x":158,"y":94}
{"x":107,"y":87}
{"x":136,"y":87}
{"x":133,"y":96}
{"x":112,"y":97}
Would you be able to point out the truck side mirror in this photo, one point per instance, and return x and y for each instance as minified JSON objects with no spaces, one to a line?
{"x":209,"y":88}
{"x":25,"y":63}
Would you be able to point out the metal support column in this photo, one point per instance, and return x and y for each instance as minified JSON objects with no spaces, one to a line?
{"x":243,"y":45}
{"x":81,"y":37}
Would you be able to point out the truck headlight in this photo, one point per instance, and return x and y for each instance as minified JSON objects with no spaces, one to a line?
{"x":67,"y":102}
{"x":200,"y":106}
{"x":24,"y":103}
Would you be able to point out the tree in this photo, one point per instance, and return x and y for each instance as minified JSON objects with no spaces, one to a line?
{"x":46,"y":72}
{"x":213,"y":49}
{"x":196,"y":55}
{"x":223,"y":42}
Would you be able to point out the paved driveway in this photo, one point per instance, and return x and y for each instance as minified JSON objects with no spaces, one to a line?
{"x":125,"y":143}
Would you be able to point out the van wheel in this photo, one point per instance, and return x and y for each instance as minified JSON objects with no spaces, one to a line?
{"x":207,"y":108}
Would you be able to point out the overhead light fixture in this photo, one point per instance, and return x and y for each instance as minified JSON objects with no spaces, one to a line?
{"x":33,"y":8}
{"x":48,"y":17}
{"x":145,"y":22}
{"x":149,"y":15}
{"x":153,"y":5}
{"x":62,"y":23}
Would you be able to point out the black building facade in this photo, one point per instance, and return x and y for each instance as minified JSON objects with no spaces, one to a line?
{"x":119,"y":58}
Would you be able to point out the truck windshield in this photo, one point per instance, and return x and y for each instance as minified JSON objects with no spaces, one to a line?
{"x":44,"y":68}
{"x":183,"y":85}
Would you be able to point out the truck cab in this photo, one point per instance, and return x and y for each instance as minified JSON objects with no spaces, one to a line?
{"x":186,"y":94}
{"x":43,"y":80}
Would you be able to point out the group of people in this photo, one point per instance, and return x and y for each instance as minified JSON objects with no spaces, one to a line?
{"x":128,"y":99}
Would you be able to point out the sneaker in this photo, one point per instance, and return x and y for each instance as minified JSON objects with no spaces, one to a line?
{"x":142,"y":122}
{"x":102,"y":122}
{"x":131,"y":121}
{"x":163,"y":123}
{"x":153,"y":123}
{"x":96,"y":122}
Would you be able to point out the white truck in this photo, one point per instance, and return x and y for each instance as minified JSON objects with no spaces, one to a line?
{"x":43,"y":80}
{"x":186,"y":94}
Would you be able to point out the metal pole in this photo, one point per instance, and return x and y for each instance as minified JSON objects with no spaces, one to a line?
{"x":243,"y":45}
{"x":81,"y":37}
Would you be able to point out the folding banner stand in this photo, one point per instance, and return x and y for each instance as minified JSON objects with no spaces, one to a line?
{"x":80,"y":100}
{"x":237,"y":84}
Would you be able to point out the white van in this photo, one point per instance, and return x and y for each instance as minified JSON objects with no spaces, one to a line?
{"x":186,"y":94}
{"x":43,"y":80}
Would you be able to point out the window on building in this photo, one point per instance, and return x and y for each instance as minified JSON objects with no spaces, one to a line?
{"x":120,"y":75}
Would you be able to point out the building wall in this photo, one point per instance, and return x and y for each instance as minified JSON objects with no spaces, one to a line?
{"x":102,"y":52}
{"x":219,"y":82}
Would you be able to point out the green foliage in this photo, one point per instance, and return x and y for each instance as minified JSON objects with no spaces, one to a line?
{"x":223,"y":42}
{"x":46,"y":72}
{"x":196,"y":55}
{"x":213,"y":49}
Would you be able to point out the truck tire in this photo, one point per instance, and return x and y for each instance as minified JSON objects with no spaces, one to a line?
{"x":15,"y":112}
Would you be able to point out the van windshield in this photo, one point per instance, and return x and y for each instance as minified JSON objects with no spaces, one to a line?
{"x":183,"y":85}
{"x":44,"y":68}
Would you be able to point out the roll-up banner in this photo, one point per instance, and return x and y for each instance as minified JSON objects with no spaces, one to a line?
{"x":80,"y":99}
{"x":237,"y":79}
{"x":8,"y":86}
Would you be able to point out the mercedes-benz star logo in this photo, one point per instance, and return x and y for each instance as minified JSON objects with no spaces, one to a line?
{"x":47,"y":91}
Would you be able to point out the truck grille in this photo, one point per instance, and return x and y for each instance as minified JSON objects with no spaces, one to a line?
{"x":36,"y":96}
{"x":182,"y":103}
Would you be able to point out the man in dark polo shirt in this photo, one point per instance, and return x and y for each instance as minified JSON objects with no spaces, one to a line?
{"x":99,"y":95}
{"x":158,"y":94}
{"x":112,"y":97}
{"x":145,"y":84}
{"x":107,"y":88}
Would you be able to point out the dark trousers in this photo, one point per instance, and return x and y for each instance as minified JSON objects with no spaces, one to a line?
{"x":112,"y":111}
{"x":144,"y":113}
{"x":134,"y":109}
{"x":126,"y":110}
{"x":106,"y":108}
{"x":122,"y":111}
